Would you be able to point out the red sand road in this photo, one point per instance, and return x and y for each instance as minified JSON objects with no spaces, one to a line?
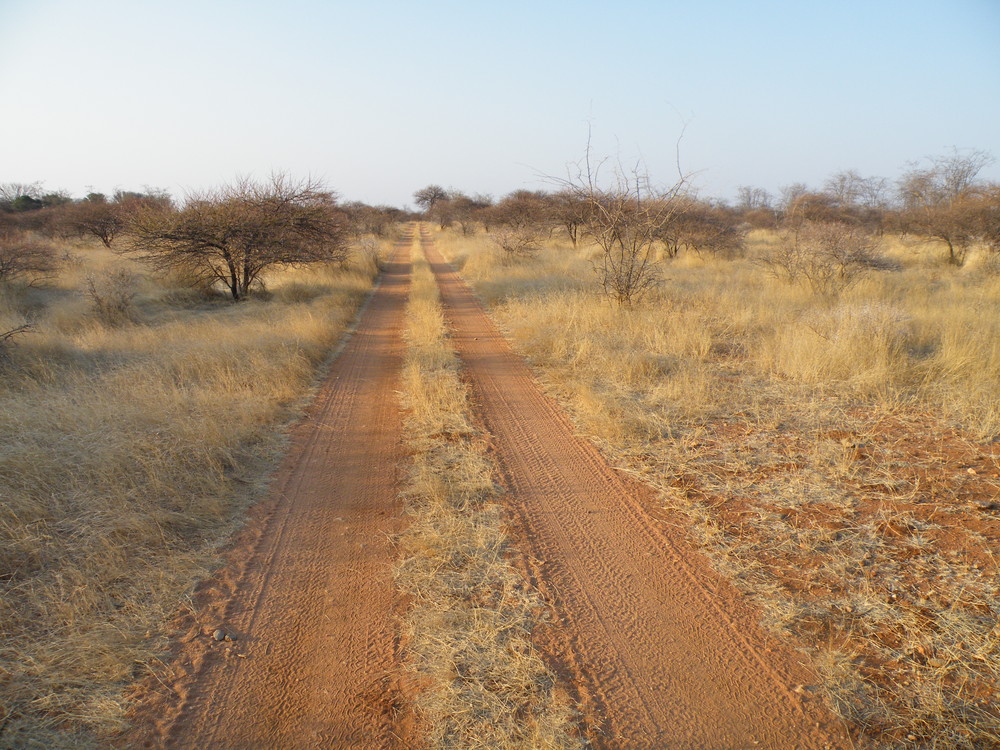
{"x":308,"y":589}
{"x":659,"y":650}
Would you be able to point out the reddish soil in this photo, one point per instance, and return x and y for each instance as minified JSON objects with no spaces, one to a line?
{"x":307,"y":592}
{"x":659,"y":650}
{"x":916,"y":504}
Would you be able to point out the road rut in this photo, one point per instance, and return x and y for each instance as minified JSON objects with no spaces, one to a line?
{"x":308,"y":591}
{"x":659,"y":650}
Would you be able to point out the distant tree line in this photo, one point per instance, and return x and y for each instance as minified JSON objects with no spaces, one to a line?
{"x":941,"y":198}
{"x":228,"y":236}
{"x":827,"y":237}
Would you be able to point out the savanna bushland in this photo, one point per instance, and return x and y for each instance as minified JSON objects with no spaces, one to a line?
{"x":810,"y":382}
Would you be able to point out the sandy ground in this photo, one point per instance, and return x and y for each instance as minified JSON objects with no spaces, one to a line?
{"x":307,"y":590}
{"x":658,"y":649}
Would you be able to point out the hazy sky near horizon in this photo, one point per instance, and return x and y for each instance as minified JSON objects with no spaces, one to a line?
{"x":381,"y":98}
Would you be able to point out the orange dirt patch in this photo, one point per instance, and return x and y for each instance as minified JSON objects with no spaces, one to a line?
{"x":894,"y":564}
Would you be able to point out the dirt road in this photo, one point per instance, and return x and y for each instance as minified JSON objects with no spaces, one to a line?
{"x":660,"y":651}
{"x":308,"y":591}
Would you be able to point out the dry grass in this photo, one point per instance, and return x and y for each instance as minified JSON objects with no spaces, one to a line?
{"x":481,"y":685}
{"x":128,"y":448}
{"x":837,"y":458}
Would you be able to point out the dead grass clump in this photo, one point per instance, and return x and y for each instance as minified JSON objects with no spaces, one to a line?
{"x":516,"y":243}
{"x":867,"y":344}
{"x":482,"y":684}
{"x":112,"y":296}
{"x":126,"y":456}
{"x":835,"y":456}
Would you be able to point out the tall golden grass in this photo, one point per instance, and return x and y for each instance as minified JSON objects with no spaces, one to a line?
{"x":468,"y":631}
{"x":127,"y":453}
{"x":928,"y":334}
{"x":766,"y":414}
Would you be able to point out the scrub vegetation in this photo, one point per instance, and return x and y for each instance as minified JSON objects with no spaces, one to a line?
{"x":810,"y":381}
{"x":140,"y":414}
{"x":831,"y":444}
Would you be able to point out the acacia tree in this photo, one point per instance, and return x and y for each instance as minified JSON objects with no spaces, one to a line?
{"x":99,"y":219}
{"x":569,"y":211}
{"x":234,"y":233}
{"x":703,"y":227}
{"x":427,"y":197}
{"x":939,"y":200}
{"x":523,"y":208}
{"x":436,"y":203}
{"x":468,"y":210}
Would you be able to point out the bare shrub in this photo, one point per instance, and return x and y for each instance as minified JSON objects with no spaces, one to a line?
{"x":627,"y":217}
{"x":627,"y":221}
{"x":516,"y":242}
{"x":829,"y":257}
{"x":25,"y":258}
{"x":112,"y":296}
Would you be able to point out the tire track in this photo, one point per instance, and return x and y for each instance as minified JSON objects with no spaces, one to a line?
{"x":308,"y":589}
{"x":660,"y":651}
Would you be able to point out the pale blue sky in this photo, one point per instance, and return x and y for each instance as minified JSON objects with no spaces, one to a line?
{"x":381,"y":98}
